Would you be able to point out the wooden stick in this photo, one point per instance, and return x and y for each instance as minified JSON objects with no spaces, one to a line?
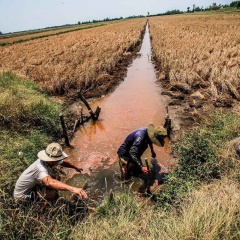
{"x":146,"y":161}
{"x":65,"y":135}
{"x":168,"y":123}
{"x":97,"y":112}
{"x":121,"y":170}
{"x":111,"y":196}
{"x":87,"y":105}
{"x":81,"y":116}
{"x":76,"y":124}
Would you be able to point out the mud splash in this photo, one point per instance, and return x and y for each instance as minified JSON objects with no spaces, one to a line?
{"x":135,"y":103}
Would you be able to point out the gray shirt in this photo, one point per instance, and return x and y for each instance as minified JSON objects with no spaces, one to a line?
{"x":30,"y":178}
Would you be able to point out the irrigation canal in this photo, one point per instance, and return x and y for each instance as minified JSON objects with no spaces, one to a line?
{"x":135,"y":103}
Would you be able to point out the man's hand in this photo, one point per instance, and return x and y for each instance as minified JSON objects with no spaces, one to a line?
{"x":78,"y":169}
{"x":144,"y":170}
{"x":50,"y":182}
{"x":79,"y":192}
{"x":153,"y":154}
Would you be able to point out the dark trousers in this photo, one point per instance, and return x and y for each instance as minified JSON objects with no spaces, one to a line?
{"x":128,"y":168}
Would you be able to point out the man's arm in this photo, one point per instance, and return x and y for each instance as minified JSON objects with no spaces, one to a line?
{"x":70,"y":165}
{"x":58,"y":185}
{"x":138,"y":162}
{"x":134,"y":152}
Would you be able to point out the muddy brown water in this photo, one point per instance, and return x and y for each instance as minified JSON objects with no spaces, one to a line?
{"x":135,"y":103}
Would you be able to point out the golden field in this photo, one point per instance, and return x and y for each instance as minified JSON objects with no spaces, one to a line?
{"x":29,"y":35}
{"x":77,"y":60}
{"x":200,"y":199}
{"x":198,"y":53}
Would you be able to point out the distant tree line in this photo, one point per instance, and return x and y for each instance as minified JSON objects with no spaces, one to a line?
{"x":110,"y":19}
{"x":213,"y":7}
{"x":136,"y":16}
{"x":104,"y":20}
{"x":235,"y":4}
{"x":171,"y":12}
{"x":194,"y":8}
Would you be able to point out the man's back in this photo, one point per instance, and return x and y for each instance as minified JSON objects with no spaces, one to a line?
{"x":137,"y":141}
{"x":31,"y":177}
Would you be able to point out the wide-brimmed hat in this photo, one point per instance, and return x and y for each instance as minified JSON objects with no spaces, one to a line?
{"x":53,"y":152}
{"x":157,"y":134}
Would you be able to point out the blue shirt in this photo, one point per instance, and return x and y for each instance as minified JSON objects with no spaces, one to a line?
{"x":135,"y":145}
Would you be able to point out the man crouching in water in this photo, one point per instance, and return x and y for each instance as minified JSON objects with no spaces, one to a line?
{"x":132,"y":149}
{"x":41,"y":173}
{"x":134,"y":146}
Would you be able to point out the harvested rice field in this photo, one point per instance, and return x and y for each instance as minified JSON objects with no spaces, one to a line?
{"x":80,"y":60}
{"x":198,"y":59}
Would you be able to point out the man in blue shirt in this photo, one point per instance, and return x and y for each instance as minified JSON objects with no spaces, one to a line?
{"x":134,"y":146}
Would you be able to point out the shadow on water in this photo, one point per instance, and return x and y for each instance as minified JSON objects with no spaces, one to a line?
{"x":135,"y":103}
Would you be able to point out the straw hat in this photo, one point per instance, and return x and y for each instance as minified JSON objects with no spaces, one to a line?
{"x":157,"y":134}
{"x":53,"y":152}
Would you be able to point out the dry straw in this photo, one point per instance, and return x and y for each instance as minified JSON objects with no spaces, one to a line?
{"x":199,"y":50}
{"x":75,"y":59}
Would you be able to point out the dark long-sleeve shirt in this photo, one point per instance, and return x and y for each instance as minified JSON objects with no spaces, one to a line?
{"x":134,"y":146}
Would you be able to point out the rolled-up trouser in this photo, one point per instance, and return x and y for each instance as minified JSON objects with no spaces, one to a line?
{"x":123,"y":165}
{"x":128,"y":168}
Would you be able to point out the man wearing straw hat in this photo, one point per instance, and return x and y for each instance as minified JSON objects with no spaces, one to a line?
{"x":134,"y":146}
{"x":41,"y":174}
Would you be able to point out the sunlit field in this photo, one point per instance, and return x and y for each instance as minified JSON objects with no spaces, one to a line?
{"x":30,"y":35}
{"x":78,"y":60}
{"x":192,"y":53}
{"x":196,"y":52}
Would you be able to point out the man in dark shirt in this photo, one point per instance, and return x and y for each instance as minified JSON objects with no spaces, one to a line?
{"x":134,"y":146}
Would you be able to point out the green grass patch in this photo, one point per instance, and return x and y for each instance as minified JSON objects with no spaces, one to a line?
{"x":123,"y":203}
{"x":24,"y":107}
{"x":28,"y":122}
{"x":201,"y":158}
{"x":33,"y":222}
